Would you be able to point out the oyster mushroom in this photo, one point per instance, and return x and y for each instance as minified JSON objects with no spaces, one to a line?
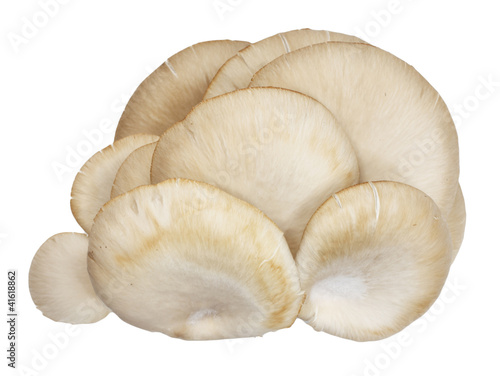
{"x":398,"y":124}
{"x":373,"y":259}
{"x":92,"y":186}
{"x":279,"y":150}
{"x":189,"y":260}
{"x":168,"y":94}
{"x":134,"y":171}
{"x":60,"y":284}
{"x":237,"y":72}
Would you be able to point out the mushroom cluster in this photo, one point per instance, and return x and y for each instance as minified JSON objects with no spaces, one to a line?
{"x":307,"y":175}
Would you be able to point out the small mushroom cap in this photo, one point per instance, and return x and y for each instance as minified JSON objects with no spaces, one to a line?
{"x":456,"y":221}
{"x":279,"y":150}
{"x":189,"y":260}
{"x":134,"y":171}
{"x":237,"y":72}
{"x":373,"y":259}
{"x":92,"y":186}
{"x":59,"y":282}
{"x":398,"y":124}
{"x":174,"y":88}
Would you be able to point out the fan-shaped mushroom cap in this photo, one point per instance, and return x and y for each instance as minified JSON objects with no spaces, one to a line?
{"x":279,"y":150}
{"x":134,"y":171}
{"x":373,"y":258}
{"x":398,"y":124}
{"x":237,"y":72}
{"x":92,"y":186}
{"x":456,"y":221}
{"x":191,"y":261}
{"x":170,"y":92}
{"x":60,"y":284}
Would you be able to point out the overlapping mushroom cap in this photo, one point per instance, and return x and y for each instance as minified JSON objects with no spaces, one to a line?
{"x":93,"y":184}
{"x":279,"y":150}
{"x":134,"y":171}
{"x":189,"y":260}
{"x":237,"y":72}
{"x":388,"y":110}
{"x":374,"y":257}
{"x":168,"y":94}
{"x":194,"y":215}
{"x":60,"y":284}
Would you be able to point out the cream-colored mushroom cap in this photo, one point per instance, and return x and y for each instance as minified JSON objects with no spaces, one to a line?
{"x":398,"y":124}
{"x":134,"y":171}
{"x":279,"y":150}
{"x":191,"y":261}
{"x":60,"y":284}
{"x":237,"y":72}
{"x":92,"y":186}
{"x":170,"y":92}
{"x":373,"y":259}
{"x":456,"y":221}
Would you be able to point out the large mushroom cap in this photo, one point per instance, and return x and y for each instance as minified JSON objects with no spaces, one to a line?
{"x":373,"y":259}
{"x":191,"y":261}
{"x":237,"y":72}
{"x":92,"y":186}
{"x":398,"y":124}
{"x":171,"y":91}
{"x":279,"y":150}
{"x":134,"y":171}
{"x":60,"y":284}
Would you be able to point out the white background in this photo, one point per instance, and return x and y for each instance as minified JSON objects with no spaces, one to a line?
{"x":79,"y":70}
